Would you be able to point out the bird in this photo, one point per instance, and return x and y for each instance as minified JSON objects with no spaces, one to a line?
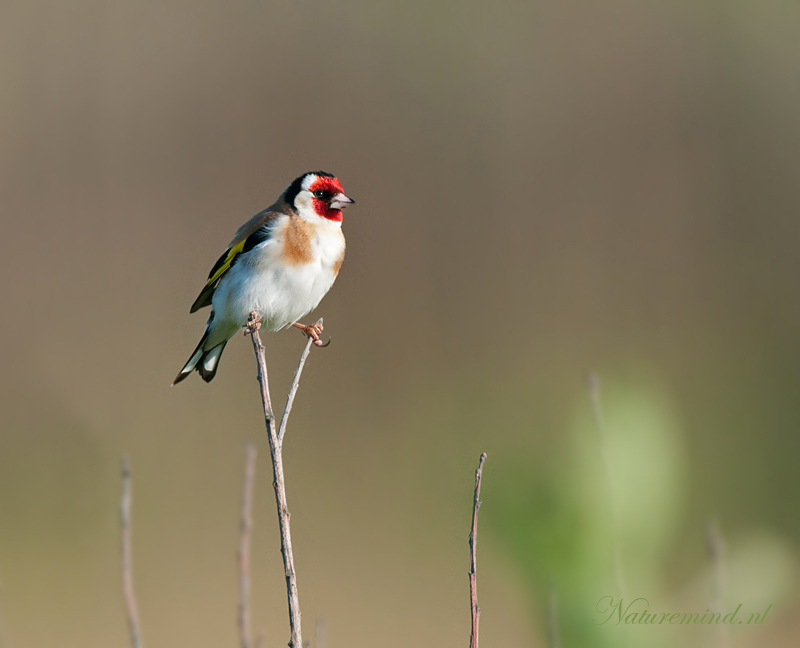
{"x":280,"y":264}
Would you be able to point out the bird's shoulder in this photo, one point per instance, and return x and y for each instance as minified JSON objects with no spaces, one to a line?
{"x":264,"y":220}
{"x":256,"y":230}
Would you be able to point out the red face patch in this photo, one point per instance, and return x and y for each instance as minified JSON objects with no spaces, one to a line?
{"x":323,"y":190}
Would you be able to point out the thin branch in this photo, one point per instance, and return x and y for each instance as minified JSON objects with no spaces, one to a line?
{"x":293,"y":389}
{"x":244,"y":546}
{"x":594,"y":396}
{"x":263,"y":380}
{"x":275,"y":447}
{"x":131,"y":607}
{"x":473,"y":537}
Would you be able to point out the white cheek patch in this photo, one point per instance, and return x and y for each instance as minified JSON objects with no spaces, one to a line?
{"x":304,"y":200}
{"x":309,"y":180}
{"x":304,"y":203}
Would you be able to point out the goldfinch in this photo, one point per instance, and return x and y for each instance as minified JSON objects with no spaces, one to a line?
{"x":280,"y":263}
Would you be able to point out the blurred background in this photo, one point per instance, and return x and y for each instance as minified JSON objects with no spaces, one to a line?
{"x":544,"y":189}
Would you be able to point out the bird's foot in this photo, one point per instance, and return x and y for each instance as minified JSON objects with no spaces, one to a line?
{"x":313,"y":332}
{"x":253,"y":323}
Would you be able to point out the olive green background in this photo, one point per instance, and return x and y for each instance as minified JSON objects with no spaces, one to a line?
{"x":544,"y":189}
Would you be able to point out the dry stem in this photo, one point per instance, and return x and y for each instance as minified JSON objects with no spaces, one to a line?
{"x":132,"y":609}
{"x":473,"y":537}
{"x":244,"y":546}
{"x":275,"y":446}
{"x":293,"y":388}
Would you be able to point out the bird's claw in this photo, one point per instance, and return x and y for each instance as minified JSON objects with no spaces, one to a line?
{"x":253,"y":323}
{"x":313,"y":332}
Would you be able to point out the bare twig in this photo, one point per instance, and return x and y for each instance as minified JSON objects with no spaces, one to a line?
{"x":293,"y":388}
{"x":716,"y":552}
{"x":473,"y":537}
{"x":275,"y":447}
{"x":131,"y":607}
{"x":252,"y":330}
{"x":244,"y":546}
{"x":594,"y":396}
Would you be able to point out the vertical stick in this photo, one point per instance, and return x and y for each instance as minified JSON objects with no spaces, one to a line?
{"x":131,"y":607}
{"x":275,"y":448}
{"x":244,"y":546}
{"x":473,"y":537}
{"x":286,"y":538}
{"x":293,"y":389}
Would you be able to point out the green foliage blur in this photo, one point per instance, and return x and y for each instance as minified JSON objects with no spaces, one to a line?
{"x":545,"y":189}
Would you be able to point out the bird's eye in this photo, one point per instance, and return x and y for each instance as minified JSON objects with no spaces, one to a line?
{"x":319,"y":193}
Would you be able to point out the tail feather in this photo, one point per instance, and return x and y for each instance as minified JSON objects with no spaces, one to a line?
{"x":207,"y":367}
{"x":204,"y":361}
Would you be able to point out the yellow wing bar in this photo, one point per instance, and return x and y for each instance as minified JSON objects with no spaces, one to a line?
{"x":220,"y":268}
{"x":226,"y":264}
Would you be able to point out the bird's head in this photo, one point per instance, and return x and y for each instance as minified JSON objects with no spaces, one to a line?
{"x":316,"y":195}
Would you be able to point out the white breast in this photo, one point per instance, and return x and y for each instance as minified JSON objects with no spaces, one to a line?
{"x":280,"y":288}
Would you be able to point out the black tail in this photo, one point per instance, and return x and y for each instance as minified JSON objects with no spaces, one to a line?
{"x":205,"y":362}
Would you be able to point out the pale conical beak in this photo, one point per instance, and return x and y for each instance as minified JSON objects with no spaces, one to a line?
{"x":340,"y":201}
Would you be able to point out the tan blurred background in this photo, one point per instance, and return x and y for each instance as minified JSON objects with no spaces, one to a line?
{"x":544,"y":189}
